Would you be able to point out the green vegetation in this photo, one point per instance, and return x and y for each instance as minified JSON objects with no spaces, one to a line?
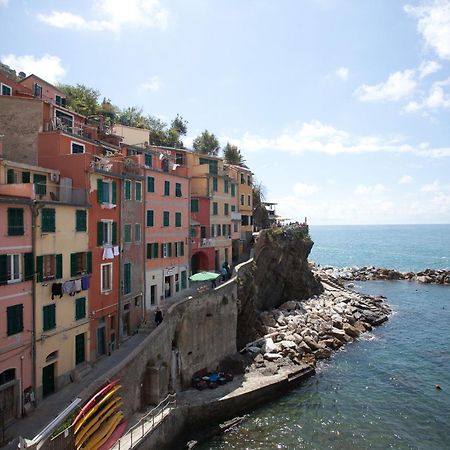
{"x":232,"y":155}
{"x":206,"y":143}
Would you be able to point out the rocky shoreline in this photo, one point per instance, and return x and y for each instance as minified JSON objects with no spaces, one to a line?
{"x":436,"y":276}
{"x":300,"y":332}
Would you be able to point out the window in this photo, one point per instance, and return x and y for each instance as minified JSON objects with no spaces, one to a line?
{"x":127,"y":232}
{"x":225,"y":208}
{"x":213,"y":231}
{"x":48,"y":220}
{"x":76,"y":147}
{"x":166,"y":187}
{"x":80,"y":220}
{"x":15,"y":222}
{"x":127,"y":278}
{"x":249,"y":180}
{"x":178,"y":189}
{"x":166,"y":219}
{"x":150,"y":217}
{"x":13,"y":268}
{"x":183,"y":279}
{"x":224,"y":230}
{"x":179,"y":248}
{"x":218,"y":230}
{"x":80,"y":308}
{"x":213,"y":165}
{"x":7,"y":375}
{"x":215,"y":208}
{"x":64,"y":121}
{"x":152,"y":250}
{"x":215,"y":188}
{"x":40,"y":184}
{"x":166,"y":250}
{"x":233,"y":189}
{"x":37,"y":90}
{"x":14,"y":319}
{"x":244,"y":221}
{"x":194,"y":205}
{"x":80,"y":263}
{"x":242,"y":178}
{"x":49,"y":317}
{"x":6,"y":90}
{"x":235,"y":226}
{"x":106,"y":191}
{"x":106,"y":232}
{"x":148,"y":160}
{"x":178,"y":219}
{"x":60,"y":101}
{"x":49,"y":267}
{"x":203,"y":232}
{"x":179,"y":159}
{"x":150,"y":184}
{"x":137,"y":232}
{"x":138,"y":191}
{"x":233,"y":208}
{"x":106,"y":277}
{"x":249,"y":200}
{"x":127,"y":189}
{"x":225,"y":186}
{"x":242,"y":199}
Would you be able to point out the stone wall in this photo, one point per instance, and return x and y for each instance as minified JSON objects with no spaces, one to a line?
{"x":20,"y":122}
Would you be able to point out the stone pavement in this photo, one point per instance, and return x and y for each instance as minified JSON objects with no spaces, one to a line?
{"x":50,"y":407}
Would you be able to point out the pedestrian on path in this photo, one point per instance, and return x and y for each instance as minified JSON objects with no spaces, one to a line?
{"x":158,"y":317}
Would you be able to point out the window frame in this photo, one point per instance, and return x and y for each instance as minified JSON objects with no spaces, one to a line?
{"x":195,"y":201}
{"x":137,"y":234}
{"x":81,"y":215}
{"x":215,"y":208}
{"x":150,"y":184}
{"x":80,"y":303}
{"x":15,"y":229}
{"x":10,"y":263}
{"x":7,"y":86}
{"x":11,"y":327}
{"x":80,"y":145}
{"x":52,"y":318}
{"x":127,"y":233}
{"x":150,"y":213}
{"x":137,"y":197}
{"x":178,"y":219}
{"x":127,"y":190}
{"x":166,"y":188}
{"x":106,"y":287}
{"x":50,"y":217}
{"x":166,"y":218}
{"x":215,"y":184}
{"x":127,"y":278}
{"x":178,"y":191}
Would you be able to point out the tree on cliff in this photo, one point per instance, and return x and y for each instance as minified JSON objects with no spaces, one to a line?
{"x":232,"y":155}
{"x":81,"y":99}
{"x":206,"y":143}
{"x":260,"y":214}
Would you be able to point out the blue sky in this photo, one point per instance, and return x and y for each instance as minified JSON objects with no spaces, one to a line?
{"x":340,"y":107}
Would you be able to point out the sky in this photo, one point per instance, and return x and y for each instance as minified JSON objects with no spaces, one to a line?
{"x":341,"y":108}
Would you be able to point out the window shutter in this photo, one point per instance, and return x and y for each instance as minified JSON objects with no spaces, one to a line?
{"x":28,"y":262}
{"x":14,"y":319}
{"x":155,"y":250}
{"x":100,"y":190}
{"x":59,"y":268}
{"x":73,"y":264}
{"x":39,"y":269}
{"x":26,"y":177}
{"x":80,"y":220}
{"x":162,"y":250}
{"x":10,"y":176}
{"x":169,"y":250}
{"x":89,"y":262}
{"x":182,"y":248}
{"x":3,"y":269}
{"x":114,"y":233}
{"x":114,"y":193}
{"x":127,"y":189}
{"x":150,"y":184}
{"x":149,"y":251}
{"x":99,"y":233}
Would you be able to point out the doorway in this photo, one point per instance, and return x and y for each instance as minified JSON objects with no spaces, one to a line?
{"x":48,"y":380}
{"x":101,"y":341}
{"x":80,"y":355}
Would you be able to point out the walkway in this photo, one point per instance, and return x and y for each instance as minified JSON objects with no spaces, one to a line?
{"x":50,"y":407}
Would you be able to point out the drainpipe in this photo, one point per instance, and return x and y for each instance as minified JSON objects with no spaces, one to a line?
{"x":120,"y":281}
{"x":144,"y":241}
{"x":34,"y":212}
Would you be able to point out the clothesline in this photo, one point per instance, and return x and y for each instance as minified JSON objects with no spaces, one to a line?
{"x":71,"y":287}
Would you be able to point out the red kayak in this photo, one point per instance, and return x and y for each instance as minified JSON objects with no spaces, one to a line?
{"x":93,"y":401}
{"x":117,"y":434}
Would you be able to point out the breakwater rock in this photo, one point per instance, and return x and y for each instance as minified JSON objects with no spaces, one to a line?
{"x":436,"y":276}
{"x":300,"y":332}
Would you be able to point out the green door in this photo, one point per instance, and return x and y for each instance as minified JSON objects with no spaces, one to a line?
{"x":79,"y":349}
{"x":48,"y":380}
{"x":101,"y":349}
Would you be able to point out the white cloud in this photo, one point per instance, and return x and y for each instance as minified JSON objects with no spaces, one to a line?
{"x":362,"y":189}
{"x":343,"y":73}
{"x":152,"y":84}
{"x":428,"y":67}
{"x":303,"y":189}
{"x":432,"y":187}
{"x":398,"y":86}
{"x":405,"y":179}
{"x":437,"y":97}
{"x":112,"y":15}
{"x":316,"y":137}
{"x":48,"y":67}
{"x":434,"y":24}
{"x":412,"y":107}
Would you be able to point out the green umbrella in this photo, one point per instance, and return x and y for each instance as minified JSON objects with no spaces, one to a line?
{"x":204,"y":276}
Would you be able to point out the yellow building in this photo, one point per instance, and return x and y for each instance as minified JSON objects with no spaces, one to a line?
{"x":62,"y":265}
{"x":210,"y":180}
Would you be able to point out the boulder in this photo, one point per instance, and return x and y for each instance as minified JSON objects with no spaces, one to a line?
{"x":322,"y":353}
{"x":351,"y":330}
{"x":288,"y":344}
{"x":312,"y":344}
{"x":272,"y":356}
{"x":269,"y":346}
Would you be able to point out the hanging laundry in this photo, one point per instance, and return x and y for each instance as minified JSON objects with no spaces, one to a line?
{"x":57,"y":290}
{"x":108,"y":253}
{"x":116,"y":250}
{"x":68,"y":287}
{"x":78,"y":285}
{"x":85,"y":282}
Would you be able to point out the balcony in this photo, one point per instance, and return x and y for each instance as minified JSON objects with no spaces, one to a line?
{"x":207,"y":242}
{"x":235,"y":215}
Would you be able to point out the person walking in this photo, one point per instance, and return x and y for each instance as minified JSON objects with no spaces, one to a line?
{"x":158,"y":317}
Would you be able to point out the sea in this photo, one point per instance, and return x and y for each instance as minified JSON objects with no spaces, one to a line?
{"x":380,"y":391}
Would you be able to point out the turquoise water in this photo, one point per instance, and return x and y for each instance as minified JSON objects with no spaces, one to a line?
{"x":401,"y":247}
{"x":379,"y":393}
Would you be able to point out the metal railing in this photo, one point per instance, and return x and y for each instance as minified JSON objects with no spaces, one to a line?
{"x":146,"y":424}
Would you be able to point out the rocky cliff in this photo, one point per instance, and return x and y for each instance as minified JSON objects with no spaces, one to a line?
{"x":280,"y":273}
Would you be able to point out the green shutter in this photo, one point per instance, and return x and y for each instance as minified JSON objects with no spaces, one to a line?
{"x":127,"y":189}
{"x":233,"y":189}
{"x":26,"y":177}
{"x":80,"y":308}
{"x":155,"y":250}
{"x":178,"y":219}
{"x":48,"y":220}
{"x":28,"y":263}
{"x":89,"y":262}
{"x":194,"y":205}
{"x":73,"y":264}
{"x":39,"y":269}
{"x":99,"y":233}
{"x":114,"y":233}
{"x":138,"y":191}
{"x":114,"y":193}
{"x":166,"y":219}
{"x":150,"y":217}
{"x":80,"y":219}
{"x":49,"y":321}
{"x":169,"y":249}
{"x":15,"y":222}
{"x":10,"y":176}
{"x":182,"y":248}
{"x":14,"y":319}
{"x":59,"y":267}
{"x":3,"y":269}
{"x":166,"y":187}
{"x":183,"y":279}
{"x":150,"y":184}
{"x":162,"y":250}
{"x":149,"y":251}
{"x":215,"y":188}
{"x":100,"y":190}
{"x":127,"y":278}
{"x":178,"y":192}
